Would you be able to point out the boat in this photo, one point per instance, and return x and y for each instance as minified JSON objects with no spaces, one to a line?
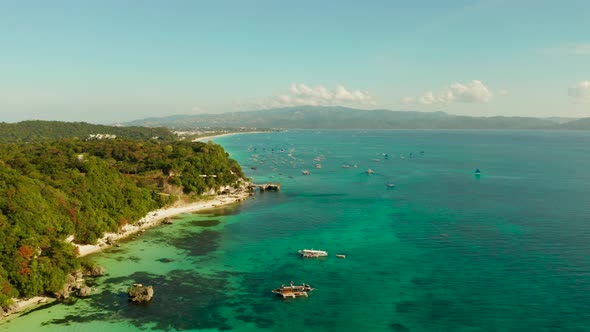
{"x":477,"y":172}
{"x":341,"y":256}
{"x":390,"y":184}
{"x":306,"y":172}
{"x":370,"y":171}
{"x":311,"y":253}
{"x":318,"y":166}
{"x":345,"y":166}
{"x":293,"y":290}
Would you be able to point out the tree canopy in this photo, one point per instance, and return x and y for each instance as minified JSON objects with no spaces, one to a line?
{"x":37,"y":130}
{"x":51,"y":189}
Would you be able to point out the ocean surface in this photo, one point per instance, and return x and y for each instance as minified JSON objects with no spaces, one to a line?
{"x":442,"y":250}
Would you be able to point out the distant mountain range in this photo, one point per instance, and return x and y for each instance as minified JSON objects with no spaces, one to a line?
{"x":322,"y":117}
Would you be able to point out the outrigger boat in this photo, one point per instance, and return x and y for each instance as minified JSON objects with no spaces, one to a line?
{"x":293,"y":290}
{"x":309,"y":253}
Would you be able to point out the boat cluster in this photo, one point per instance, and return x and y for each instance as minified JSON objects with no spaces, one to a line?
{"x":302,"y":290}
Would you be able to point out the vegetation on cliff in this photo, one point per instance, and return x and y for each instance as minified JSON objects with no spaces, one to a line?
{"x":50,"y":190}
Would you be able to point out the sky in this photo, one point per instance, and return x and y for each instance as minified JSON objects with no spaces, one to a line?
{"x":114,"y":61}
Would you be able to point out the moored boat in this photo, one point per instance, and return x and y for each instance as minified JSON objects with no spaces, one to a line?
{"x":293,"y":290}
{"x":308,"y":253}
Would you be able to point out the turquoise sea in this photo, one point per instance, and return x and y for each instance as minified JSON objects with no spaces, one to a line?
{"x":443,"y":250}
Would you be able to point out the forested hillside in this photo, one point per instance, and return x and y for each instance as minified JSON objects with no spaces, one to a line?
{"x":52,"y":189}
{"x":28,"y":131}
{"x":336,"y":117}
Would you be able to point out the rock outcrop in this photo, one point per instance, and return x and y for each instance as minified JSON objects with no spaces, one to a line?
{"x":70,"y":285}
{"x":96,"y":271}
{"x":75,"y":284}
{"x":84,"y":291}
{"x":140,"y":293}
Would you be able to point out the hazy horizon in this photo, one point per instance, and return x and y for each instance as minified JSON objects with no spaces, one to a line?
{"x":111,"y":62}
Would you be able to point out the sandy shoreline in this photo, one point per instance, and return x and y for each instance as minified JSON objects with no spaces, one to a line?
{"x":153,"y":218}
{"x":207,"y":138}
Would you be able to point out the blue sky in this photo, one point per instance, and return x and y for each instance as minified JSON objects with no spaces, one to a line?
{"x":111,"y":61}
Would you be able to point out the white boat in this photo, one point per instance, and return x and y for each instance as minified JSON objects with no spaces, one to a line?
{"x":313,"y":253}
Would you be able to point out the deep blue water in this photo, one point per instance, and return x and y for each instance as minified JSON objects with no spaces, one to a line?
{"x":443,"y":250}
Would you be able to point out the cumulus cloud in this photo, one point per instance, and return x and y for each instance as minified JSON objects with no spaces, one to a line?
{"x":301,"y":94}
{"x":580,"y":92}
{"x":472,"y":92}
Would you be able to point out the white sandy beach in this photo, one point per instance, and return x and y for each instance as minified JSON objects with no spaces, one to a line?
{"x":207,"y":138}
{"x":154,"y":218}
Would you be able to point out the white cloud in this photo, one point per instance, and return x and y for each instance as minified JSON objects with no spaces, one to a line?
{"x":581,"y":49}
{"x":301,"y":94}
{"x":569,"y":49}
{"x":580,"y":92}
{"x":472,"y":92}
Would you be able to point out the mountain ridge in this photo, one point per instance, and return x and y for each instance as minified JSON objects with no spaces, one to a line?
{"x":338,"y":117}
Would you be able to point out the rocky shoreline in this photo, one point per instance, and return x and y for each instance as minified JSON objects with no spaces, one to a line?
{"x":75,"y":284}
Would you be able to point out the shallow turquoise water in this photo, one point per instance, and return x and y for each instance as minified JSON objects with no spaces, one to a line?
{"x":442,"y":251}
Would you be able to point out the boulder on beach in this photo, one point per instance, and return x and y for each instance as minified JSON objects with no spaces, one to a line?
{"x":140,"y":293}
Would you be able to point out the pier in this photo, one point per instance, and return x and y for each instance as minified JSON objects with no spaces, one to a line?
{"x":265,"y":187}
